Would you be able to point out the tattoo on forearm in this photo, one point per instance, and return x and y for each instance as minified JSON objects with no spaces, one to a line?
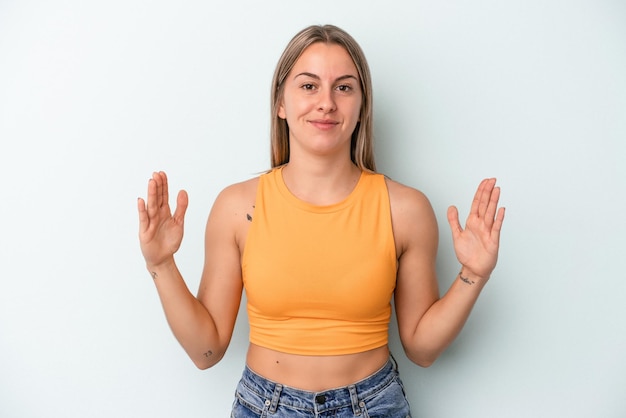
{"x":465,"y":279}
{"x":154,"y":275}
{"x":208,"y":354}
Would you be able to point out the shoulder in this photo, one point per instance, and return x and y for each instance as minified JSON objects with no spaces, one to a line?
{"x":406,"y":200}
{"x":235,"y":202}
{"x":231,"y":213}
{"x":237,"y":194}
{"x":412,"y":215}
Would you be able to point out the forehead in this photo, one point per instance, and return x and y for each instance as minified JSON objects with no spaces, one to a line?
{"x":325,"y":59}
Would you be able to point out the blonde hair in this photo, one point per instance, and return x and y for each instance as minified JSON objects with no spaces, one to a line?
{"x":361,"y":149}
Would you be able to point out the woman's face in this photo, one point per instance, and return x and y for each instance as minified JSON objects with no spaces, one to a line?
{"x":322,"y":101}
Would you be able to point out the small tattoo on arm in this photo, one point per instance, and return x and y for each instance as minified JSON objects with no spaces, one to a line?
{"x":248,"y":216}
{"x":465,"y":279}
{"x":154,"y":275}
{"x":208,"y":354}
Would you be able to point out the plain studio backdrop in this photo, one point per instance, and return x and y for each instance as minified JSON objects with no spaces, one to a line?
{"x":95,"y":96}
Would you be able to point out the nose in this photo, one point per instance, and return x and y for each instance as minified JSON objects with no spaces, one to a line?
{"x":326,"y":102}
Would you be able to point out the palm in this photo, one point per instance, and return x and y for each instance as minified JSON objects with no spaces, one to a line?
{"x":160,"y":232}
{"x":477,"y":245}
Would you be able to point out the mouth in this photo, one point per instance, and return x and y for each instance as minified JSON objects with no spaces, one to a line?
{"x":324,"y":124}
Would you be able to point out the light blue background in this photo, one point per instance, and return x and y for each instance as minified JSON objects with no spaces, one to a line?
{"x":94,"y":96}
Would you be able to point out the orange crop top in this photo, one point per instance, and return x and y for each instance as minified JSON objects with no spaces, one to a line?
{"x":319,"y":279}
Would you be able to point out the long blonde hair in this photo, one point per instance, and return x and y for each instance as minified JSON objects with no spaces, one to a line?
{"x":361,"y":149}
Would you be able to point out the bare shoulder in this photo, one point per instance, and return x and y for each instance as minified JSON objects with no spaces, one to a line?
{"x":406,"y":200}
{"x":233,"y":210}
{"x":412,"y":215}
{"x":235,"y":201}
{"x":237,"y":193}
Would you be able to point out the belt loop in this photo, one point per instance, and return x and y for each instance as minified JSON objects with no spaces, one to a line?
{"x":275,"y":397}
{"x":395,"y":363}
{"x":355,"y":400}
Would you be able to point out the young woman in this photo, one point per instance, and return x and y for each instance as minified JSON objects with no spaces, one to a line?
{"x":321,"y":243}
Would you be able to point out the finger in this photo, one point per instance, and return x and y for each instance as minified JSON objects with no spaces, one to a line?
{"x":164,"y":188}
{"x":492,"y":207}
{"x":497,"y":224}
{"x":182,"y":201}
{"x":158,"y":183}
{"x":152,"y":205}
{"x":476,"y":202}
{"x":486,"y":188}
{"x":453,"y":220}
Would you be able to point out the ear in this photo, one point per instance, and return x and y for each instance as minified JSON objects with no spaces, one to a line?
{"x":281,"y":111}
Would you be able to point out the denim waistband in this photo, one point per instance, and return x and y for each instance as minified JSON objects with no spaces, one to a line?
{"x":354,"y":394}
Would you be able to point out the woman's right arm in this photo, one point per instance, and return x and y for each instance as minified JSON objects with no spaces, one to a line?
{"x":203,"y":325}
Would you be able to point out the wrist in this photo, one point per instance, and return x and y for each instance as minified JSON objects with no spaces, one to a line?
{"x":158,"y":269}
{"x":468,"y":277}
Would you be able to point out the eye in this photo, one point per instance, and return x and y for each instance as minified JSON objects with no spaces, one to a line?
{"x":345,"y":88}
{"x":307,"y":87}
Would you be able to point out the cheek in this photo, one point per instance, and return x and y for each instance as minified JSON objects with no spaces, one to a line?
{"x":357,"y":112}
{"x":356,"y":106}
{"x":294,"y":107}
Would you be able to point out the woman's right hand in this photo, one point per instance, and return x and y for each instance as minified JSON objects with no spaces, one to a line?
{"x":160,"y":233}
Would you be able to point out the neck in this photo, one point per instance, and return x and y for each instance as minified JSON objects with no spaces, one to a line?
{"x":321,"y":182}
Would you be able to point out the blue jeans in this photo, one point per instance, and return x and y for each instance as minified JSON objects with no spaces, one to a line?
{"x":377,"y":396}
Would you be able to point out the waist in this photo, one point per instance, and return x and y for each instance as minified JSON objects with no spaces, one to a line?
{"x":315,"y":373}
{"x":263,"y":393}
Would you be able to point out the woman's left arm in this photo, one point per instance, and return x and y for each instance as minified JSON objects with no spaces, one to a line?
{"x":426,"y":322}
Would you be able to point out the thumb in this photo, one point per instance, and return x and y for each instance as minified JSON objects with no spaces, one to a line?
{"x":182,"y":201}
{"x":453,"y":220}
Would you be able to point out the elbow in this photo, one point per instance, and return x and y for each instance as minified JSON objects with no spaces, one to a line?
{"x":422,"y":359}
{"x":207,"y":361}
{"x":202,"y":366}
{"x":425,"y":363}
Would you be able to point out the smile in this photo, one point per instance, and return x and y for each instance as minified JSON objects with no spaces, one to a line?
{"x":323,"y":124}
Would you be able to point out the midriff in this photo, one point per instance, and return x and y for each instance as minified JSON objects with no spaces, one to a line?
{"x":315,"y":373}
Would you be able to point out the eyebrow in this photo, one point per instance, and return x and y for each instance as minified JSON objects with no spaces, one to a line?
{"x":343,"y":77}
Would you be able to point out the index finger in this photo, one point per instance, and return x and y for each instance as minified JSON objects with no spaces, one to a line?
{"x":481,"y":198}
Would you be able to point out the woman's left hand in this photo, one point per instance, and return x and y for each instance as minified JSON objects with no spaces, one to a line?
{"x":477,"y":245}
